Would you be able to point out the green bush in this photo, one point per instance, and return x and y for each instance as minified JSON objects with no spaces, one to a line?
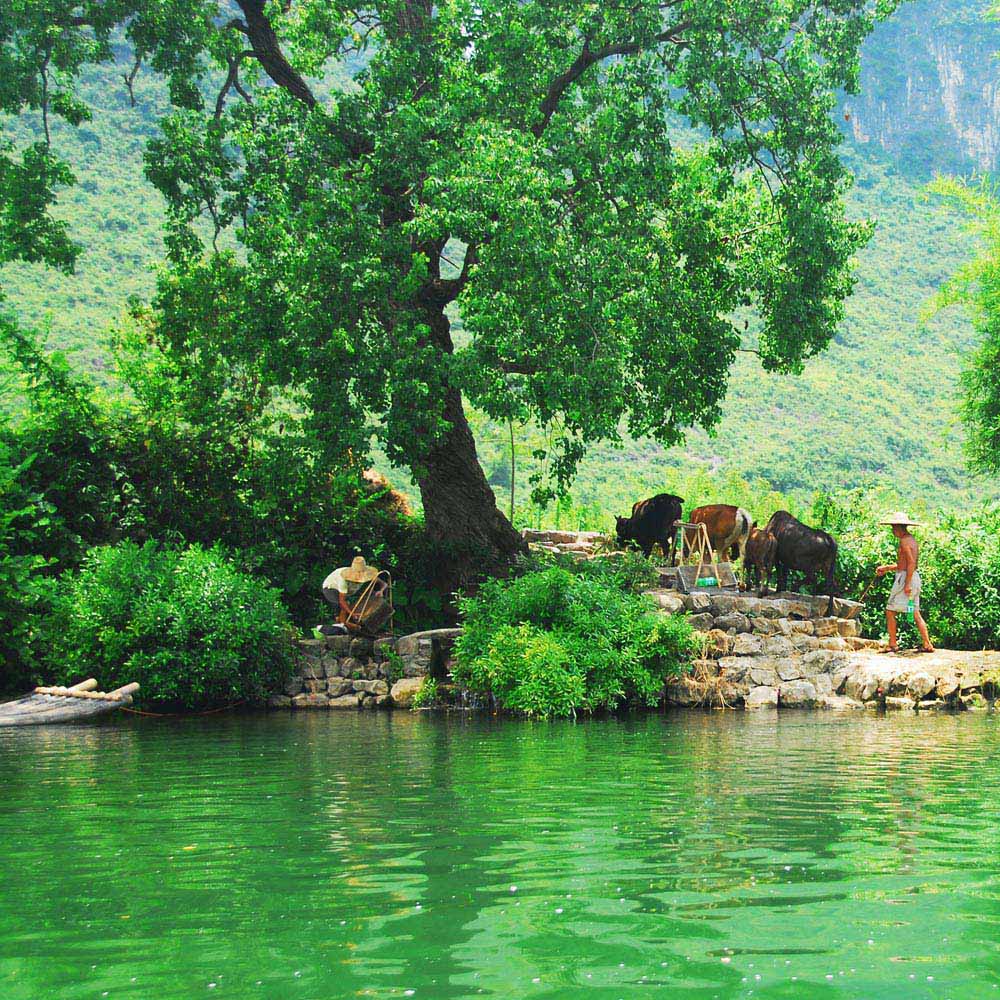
{"x":551,"y":643}
{"x":186,"y":624}
{"x":959,"y":566}
{"x":24,"y":590}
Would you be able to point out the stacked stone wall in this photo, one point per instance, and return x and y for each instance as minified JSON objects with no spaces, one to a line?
{"x":342,"y":671}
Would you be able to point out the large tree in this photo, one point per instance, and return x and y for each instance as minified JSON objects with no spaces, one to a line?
{"x":550,"y":209}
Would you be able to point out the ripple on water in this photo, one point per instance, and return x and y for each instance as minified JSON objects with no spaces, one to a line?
{"x":337,"y":855}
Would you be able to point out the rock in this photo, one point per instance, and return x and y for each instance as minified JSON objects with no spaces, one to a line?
{"x":778,"y":645}
{"x":331,"y":665}
{"x":968,"y":682}
{"x":822,"y":661}
{"x":361,"y":649}
{"x":861,"y":686}
{"x":805,"y":627}
{"x":748,"y":644}
{"x":310,"y":701}
{"x":847,"y":627}
{"x":293,"y":686}
{"x":371,"y":687}
{"x":314,"y":686}
{"x":734,"y":622}
{"x":919,"y":684}
{"x":733,"y":668}
{"x":697,"y":603}
{"x":680,"y":693}
{"x":344,"y":701}
{"x":724,"y":604}
{"x":313,"y":670}
{"x":898,"y":704}
{"x":826,"y":627}
{"x":717,"y":643}
{"x":312,"y":649}
{"x":789,"y":669}
{"x":404,"y":690}
{"x":383,"y":701}
{"x":366,"y":701}
{"x":339,"y":645}
{"x":349,"y":667}
{"x":834,"y":642}
{"x":840,"y":676}
{"x":934,"y":705}
{"x":763,"y":674}
{"x":761,"y":697}
{"x":823,"y":684}
{"x":947,"y":686}
{"x":336,"y":687}
{"x":766,"y":626}
{"x":672,"y":604}
{"x":422,"y":651}
{"x":370,"y":670}
{"x":383,"y":647}
{"x":799,"y":694}
{"x":279,"y":701}
{"x":702,"y":622}
{"x":837,"y":703}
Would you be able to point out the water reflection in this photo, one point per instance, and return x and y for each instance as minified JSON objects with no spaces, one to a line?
{"x":327,"y":855}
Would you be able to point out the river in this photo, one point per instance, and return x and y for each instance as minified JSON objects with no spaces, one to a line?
{"x":314,"y":856}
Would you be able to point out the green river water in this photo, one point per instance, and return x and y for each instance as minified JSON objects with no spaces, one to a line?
{"x":323,"y":855}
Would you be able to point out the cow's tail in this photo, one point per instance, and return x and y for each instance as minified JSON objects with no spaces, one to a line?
{"x":830,"y":574}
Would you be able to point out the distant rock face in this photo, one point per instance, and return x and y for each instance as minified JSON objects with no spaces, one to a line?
{"x":930,"y":87}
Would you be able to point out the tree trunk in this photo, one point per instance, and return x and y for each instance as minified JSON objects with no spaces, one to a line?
{"x":471,"y":537}
{"x":460,"y":510}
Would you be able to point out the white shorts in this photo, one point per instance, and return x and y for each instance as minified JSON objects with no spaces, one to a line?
{"x":899,"y":600}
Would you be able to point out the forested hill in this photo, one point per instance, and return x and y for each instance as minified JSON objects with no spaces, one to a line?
{"x":879,"y":405}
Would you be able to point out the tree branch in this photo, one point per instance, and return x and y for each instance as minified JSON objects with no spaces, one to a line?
{"x":587,"y":58}
{"x":267,"y":50}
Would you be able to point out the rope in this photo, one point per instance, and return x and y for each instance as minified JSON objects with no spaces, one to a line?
{"x":176,"y":715}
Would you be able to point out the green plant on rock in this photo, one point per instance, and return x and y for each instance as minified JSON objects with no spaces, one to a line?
{"x":551,"y":643}
{"x":428,"y":694}
{"x":192,"y":629}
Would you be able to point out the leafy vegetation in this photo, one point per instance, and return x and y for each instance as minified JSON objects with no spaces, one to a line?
{"x":959,"y":566}
{"x":552,"y":643}
{"x":532,"y":186}
{"x":186,"y":624}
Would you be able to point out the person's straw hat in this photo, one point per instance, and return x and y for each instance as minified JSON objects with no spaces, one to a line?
{"x":898,"y":517}
{"x":359,"y":571}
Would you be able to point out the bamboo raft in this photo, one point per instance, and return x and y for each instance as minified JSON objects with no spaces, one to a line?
{"x":64,"y":704}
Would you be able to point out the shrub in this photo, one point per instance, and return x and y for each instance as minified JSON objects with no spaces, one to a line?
{"x":24,"y":590}
{"x":551,"y":643}
{"x":186,"y":624}
{"x":959,"y":567}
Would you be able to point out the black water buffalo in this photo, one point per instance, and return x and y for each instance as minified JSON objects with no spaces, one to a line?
{"x":652,"y":521}
{"x":804,"y":550}
{"x":758,"y":558}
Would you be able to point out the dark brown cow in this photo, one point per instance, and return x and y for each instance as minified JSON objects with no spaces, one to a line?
{"x":652,"y":521}
{"x":804,"y":550}
{"x":728,"y":528}
{"x":759,"y":557}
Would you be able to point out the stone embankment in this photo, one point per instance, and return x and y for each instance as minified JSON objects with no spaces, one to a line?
{"x":782,"y":651}
{"x":345,"y":672}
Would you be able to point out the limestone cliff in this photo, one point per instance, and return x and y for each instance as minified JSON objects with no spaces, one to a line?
{"x":930,"y":88}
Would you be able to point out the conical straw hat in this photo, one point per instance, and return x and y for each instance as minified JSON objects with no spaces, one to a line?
{"x":898,"y":517}
{"x":359,"y":571}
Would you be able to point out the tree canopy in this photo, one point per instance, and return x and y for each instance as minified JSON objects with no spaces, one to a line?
{"x":977,"y":287}
{"x":562,"y":211}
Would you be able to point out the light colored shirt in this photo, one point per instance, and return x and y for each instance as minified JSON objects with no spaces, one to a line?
{"x":336,"y":581}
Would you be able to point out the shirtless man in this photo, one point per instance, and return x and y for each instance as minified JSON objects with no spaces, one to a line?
{"x":906,"y":586}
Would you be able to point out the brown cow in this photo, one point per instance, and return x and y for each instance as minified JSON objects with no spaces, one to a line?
{"x":758,"y":558}
{"x":728,"y":529}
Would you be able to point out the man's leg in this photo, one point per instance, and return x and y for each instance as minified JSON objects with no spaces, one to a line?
{"x":922,"y":629}
{"x":890,"y":618}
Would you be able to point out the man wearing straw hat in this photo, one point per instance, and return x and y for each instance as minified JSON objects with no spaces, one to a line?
{"x":906,"y":586}
{"x":347,"y":582}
